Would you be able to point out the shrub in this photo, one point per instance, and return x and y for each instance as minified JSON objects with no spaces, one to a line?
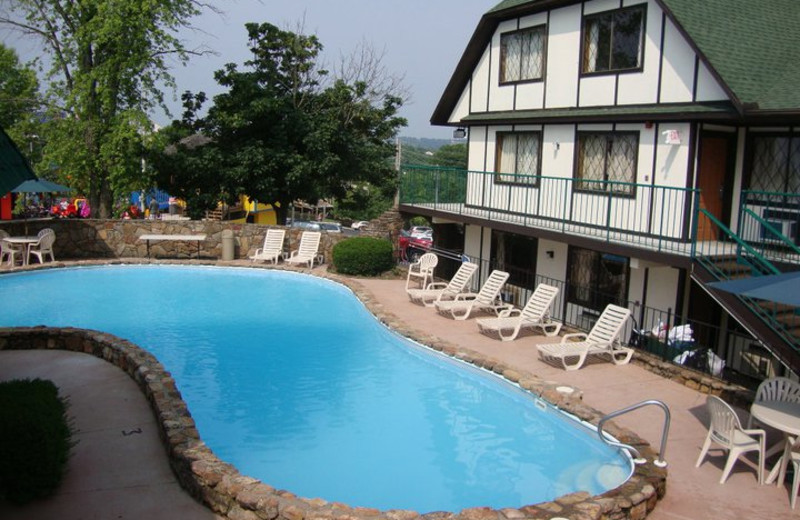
{"x":364,"y":256}
{"x":35,"y":439}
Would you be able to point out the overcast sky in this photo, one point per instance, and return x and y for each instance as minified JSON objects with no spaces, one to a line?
{"x":422,"y":40}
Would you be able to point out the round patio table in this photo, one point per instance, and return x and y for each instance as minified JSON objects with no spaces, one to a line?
{"x":783,"y":416}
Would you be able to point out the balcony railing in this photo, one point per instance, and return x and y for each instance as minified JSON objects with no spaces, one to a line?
{"x":643,"y":215}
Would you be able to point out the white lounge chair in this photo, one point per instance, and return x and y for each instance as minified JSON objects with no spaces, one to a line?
{"x":726,"y":430}
{"x":441,"y":291}
{"x":463,"y":304}
{"x":536,"y":313}
{"x":602,"y":339}
{"x":422,"y":269}
{"x":272,"y":248}
{"x":308,"y":249}
{"x":43,"y":246}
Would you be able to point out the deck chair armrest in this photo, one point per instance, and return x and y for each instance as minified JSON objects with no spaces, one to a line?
{"x":567,"y":337}
{"x":466,"y":296}
{"x":508,"y":313}
{"x":757,"y":431}
{"x":436,"y":285}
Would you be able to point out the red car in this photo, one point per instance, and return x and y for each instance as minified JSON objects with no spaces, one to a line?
{"x":411,"y":247}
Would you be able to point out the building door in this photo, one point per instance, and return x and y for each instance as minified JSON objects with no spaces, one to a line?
{"x":714,"y":153}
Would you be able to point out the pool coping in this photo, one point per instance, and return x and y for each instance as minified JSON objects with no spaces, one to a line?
{"x":227,"y":492}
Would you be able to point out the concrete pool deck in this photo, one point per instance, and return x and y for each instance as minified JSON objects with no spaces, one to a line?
{"x":120,"y":470}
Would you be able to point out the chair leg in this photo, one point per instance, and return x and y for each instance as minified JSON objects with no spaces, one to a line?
{"x":581,"y":359}
{"x":703,"y":451}
{"x":795,"y":482}
{"x":509,"y":337}
{"x":733,"y":456}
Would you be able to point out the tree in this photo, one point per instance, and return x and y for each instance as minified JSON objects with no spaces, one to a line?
{"x":19,"y":88}
{"x":282,"y":131}
{"x":109,"y":58}
{"x":451,"y":155}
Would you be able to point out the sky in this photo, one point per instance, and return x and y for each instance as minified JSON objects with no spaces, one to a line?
{"x":421,"y":40}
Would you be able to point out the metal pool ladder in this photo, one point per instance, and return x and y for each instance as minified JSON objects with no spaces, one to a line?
{"x":661,"y":463}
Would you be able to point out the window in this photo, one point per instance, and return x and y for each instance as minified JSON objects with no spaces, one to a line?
{"x":515,"y":254}
{"x":518,"y":157}
{"x":597,"y":279}
{"x":775,"y":164}
{"x":522,"y":55}
{"x":607,"y":162}
{"x":613,"y":41}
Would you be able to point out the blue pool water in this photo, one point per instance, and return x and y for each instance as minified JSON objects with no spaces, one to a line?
{"x":294,"y":382}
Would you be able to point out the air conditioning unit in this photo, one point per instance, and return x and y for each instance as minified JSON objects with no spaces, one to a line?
{"x":783,"y":222}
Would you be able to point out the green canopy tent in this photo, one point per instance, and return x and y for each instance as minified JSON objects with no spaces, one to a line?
{"x":14,"y":167}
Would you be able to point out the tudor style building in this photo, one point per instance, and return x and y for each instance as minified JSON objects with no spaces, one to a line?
{"x":633,"y":150}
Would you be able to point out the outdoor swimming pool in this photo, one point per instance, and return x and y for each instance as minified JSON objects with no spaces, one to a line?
{"x":294,"y":382}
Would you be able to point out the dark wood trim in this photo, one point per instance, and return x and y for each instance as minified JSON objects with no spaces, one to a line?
{"x":661,"y":56}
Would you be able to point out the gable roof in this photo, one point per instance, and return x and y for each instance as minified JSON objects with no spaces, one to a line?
{"x":750,"y":47}
{"x":14,"y":167}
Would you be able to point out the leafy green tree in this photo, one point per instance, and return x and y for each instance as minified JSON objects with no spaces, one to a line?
{"x":282,"y":131}
{"x":19,"y":88}
{"x":451,"y":155}
{"x":109,"y":59}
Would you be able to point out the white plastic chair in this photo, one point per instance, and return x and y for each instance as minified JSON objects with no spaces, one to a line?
{"x":463,"y":304}
{"x":8,"y":250}
{"x":776,"y":389}
{"x":422,"y":269}
{"x":602,"y":339}
{"x":726,"y":430}
{"x":272,"y":248}
{"x":441,"y":291}
{"x":308,"y":249}
{"x":43,"y":246}
{"x":536,"y":313}
{"x":795,"y":460}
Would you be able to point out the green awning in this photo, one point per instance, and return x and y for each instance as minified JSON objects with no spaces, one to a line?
{"x":14,"y":168}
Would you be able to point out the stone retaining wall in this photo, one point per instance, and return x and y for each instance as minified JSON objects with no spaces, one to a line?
{"x":92,"y":238}
{"x":232,"y":495}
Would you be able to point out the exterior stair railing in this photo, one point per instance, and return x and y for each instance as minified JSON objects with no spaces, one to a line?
{"x":730,"y":257}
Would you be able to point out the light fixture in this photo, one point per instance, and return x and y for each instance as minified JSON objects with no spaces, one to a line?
{"x":550,"y":254}
{"x":459,"y":133}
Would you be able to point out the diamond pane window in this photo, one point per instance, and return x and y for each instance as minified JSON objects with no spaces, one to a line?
{"x":776,"y":164}
{"x":613,"y":41}
{"x":518,"y":157}
{"x":607,"y":162}
{"x":522,"y":55}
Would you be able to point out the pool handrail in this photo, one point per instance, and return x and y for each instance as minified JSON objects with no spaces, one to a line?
{"x":638,"y":459}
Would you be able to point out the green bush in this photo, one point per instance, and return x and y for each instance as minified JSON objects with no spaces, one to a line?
{"x":363,"y":256}
{"x":35,"y":439}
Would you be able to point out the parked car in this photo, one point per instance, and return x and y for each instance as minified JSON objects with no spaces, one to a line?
{"x":304,"y":224}
{"x":330,"y":227}
{"x":422,"y":231}
{"x":412,"y":247}
{"x":359,"y":224}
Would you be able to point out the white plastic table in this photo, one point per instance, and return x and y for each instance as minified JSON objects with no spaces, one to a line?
{"x":783,"y":416}
{"x":183,"y":238}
